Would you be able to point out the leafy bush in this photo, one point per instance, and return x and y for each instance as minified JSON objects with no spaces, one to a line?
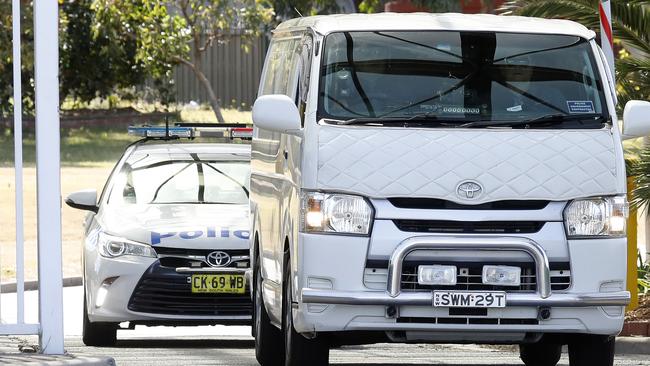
{"x":643,"y":278}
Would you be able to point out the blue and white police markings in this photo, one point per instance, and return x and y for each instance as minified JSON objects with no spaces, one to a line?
{"x":209,"y":232}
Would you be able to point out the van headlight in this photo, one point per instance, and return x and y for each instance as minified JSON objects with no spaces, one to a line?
{"x":335,"y":213}
{"x":596,"y":217}
{"x":112,"y":246}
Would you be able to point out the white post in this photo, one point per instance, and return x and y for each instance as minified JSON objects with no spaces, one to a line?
{"x":46,"y":67}
{"x":18,"y":164}
{"x":606,"y":37}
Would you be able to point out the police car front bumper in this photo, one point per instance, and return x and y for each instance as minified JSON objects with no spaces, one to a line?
{"x":141,"y":290}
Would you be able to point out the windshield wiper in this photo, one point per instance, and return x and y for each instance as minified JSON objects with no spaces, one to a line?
{"x":545,"y":119}
{"x":393,"y":120}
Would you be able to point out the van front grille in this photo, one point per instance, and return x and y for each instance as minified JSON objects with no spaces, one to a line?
{"x":469,"y":277}
{"x":469,"y":227}
{"x":438,"y":204}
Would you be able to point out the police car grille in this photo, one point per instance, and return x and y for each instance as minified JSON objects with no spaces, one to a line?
{"x":469,"y":278}
{"x":176,"y":257}
{"x":163,"y":291}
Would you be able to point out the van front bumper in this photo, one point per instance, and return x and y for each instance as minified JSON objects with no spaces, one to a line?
{"x":393,"y":295}
{"x":312,"y":296}
{"x":332,"y":297}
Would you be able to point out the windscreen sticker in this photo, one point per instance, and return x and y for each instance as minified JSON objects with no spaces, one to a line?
{"x":210,"y":232}
{"x":580,"y":106}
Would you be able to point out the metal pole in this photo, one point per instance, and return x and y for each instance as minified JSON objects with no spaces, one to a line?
{"x":606,"y":37}
{"x":48,"y":180}
{"x":18,"y":164}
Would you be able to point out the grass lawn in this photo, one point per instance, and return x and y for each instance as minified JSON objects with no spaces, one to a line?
{"x":79,"y":146}
{"x":73,"y":178}
{"x":90,"y":145}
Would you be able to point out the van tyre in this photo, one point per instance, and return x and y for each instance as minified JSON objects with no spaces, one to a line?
{"x":591,"y":350}
{"x":97,"y":334}
{"x":299,"y":350}
{"x":540,"y":354}
{"x":269,"y":349}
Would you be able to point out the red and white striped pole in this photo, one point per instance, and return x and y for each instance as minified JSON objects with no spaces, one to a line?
{"x":606,"y":37}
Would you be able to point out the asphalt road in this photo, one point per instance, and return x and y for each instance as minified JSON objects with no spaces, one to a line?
{"x":221,"y":345}
{"x":239,"y":351}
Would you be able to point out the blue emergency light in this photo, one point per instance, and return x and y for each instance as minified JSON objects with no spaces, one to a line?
{"x":161,"y":132}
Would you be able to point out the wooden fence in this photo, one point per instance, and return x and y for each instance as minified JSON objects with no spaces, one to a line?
{"x":233,"y":72}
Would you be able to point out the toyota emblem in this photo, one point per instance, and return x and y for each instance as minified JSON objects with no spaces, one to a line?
{"x":469,"y":190}
{"x":218,"y":259}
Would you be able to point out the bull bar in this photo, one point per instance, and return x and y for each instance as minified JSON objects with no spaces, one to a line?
{"x":392,"y":296}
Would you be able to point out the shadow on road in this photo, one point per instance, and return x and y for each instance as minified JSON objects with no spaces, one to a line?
{"x":185,"y":343}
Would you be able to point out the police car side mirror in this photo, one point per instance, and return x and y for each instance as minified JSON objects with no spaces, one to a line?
{"x":277,"y":112}
{"x":636,"y":119}
{"x":83,"y":200}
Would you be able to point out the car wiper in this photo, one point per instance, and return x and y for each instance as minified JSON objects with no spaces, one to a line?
{"x":545,"y":119}
{"x":393,"y":120}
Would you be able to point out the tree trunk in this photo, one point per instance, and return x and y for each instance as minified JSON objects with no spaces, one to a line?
{"x":198,"y":71}
{"x":214,"y":102}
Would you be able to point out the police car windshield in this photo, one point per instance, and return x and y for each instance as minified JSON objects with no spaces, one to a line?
{"x":458,"y":77}
{"x":182,"y":181}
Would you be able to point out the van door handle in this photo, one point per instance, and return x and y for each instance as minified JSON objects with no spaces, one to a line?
{"x":286,"y":155}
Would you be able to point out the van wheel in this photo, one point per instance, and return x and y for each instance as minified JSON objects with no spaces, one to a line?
{"x":97,"y":334}
{"x":298,"y":349}
{"x":591,"y":350}
{"x":540,"y":354}
{"x":269,"y":349}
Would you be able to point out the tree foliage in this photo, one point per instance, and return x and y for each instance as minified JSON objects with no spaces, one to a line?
{"x":6,"y":59}
{"x":288,"y":9}
{"x":173,"y":32}
{"x":92,"y":64}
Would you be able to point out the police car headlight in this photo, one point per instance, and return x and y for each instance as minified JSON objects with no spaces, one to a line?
{"x":112,"y":246}
{"x":596,"y":217}
{"x":335,"y":213}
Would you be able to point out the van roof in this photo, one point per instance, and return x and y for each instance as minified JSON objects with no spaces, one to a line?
{"x":325,"y":24}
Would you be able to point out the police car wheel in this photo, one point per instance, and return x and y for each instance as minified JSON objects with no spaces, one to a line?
{"x":97,"y":334}
{"x":268,"y":339}
{"x":540,"y":354}
{"x":591,"y":350}
{"x":298,"y":349}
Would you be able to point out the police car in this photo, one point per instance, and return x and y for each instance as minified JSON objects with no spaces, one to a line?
{"x":166,"y":243}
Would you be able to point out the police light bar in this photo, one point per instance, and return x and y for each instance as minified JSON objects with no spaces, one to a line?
{"x":242,"y":133}
{"x":227,"y":130}
{"x":193,"y":130}
{"x":161,"y":132}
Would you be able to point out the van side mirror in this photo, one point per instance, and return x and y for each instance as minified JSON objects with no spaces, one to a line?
{"x":276,"y":112}
{"x":636,"y":119}
{"x":83,"y":200}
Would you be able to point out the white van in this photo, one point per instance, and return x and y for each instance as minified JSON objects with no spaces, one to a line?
{"x":438,"y":179}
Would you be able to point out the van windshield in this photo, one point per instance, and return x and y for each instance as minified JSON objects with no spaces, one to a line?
{"x":469,"y":79}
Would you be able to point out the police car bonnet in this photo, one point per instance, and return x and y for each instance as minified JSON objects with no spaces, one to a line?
{"x":183,"y":226}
